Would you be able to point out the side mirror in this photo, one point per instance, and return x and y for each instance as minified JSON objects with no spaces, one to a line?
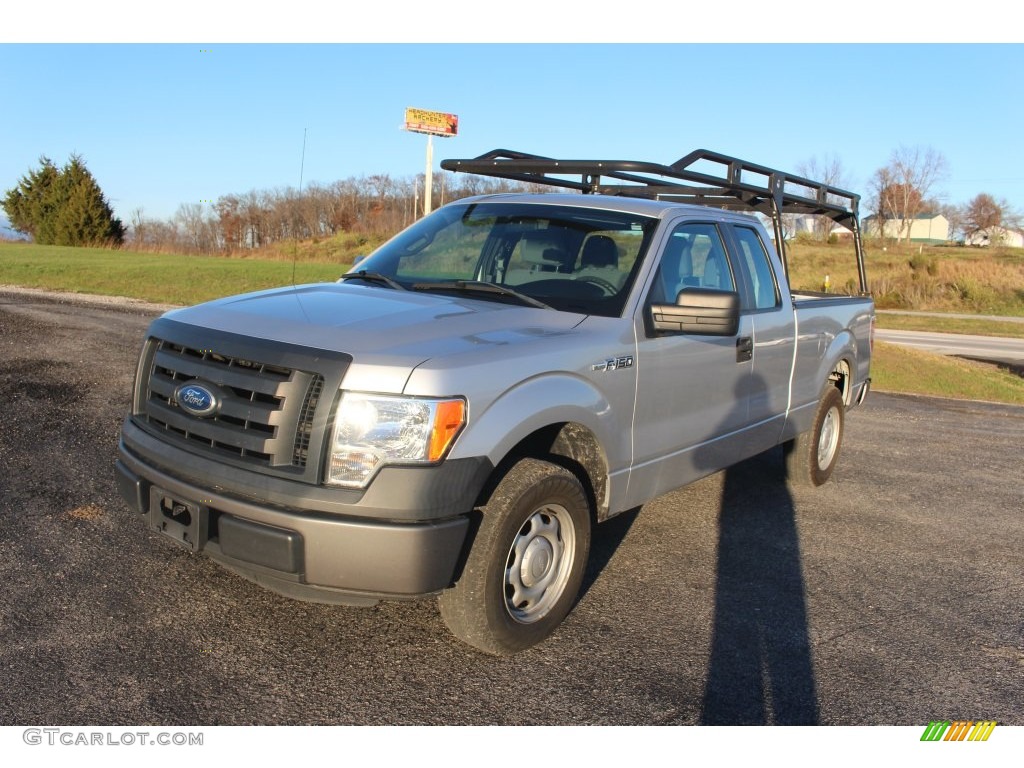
{"x":699,"y":311}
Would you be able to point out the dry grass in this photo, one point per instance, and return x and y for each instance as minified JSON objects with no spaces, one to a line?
{"x":929,"y":278}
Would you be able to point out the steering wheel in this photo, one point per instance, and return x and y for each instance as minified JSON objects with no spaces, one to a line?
{"x":607,"y":286}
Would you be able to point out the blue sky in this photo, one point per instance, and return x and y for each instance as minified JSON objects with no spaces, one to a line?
{"x":165,"y":124}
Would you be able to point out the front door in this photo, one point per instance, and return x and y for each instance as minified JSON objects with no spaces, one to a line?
{"x":692,"y":390}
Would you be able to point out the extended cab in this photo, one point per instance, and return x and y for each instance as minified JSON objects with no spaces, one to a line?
{"x":455,"y":414}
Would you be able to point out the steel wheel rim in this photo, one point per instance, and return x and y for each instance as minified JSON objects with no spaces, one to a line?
{"x":539,"y":563}
{"x":828,"y":440}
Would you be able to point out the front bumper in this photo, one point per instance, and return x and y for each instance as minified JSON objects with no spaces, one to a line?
{"x":351,"y":553}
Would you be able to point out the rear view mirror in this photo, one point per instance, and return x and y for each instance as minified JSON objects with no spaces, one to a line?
{"x":699,"y":311}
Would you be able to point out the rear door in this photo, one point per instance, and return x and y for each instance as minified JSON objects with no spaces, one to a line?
{"x":770,"y":313}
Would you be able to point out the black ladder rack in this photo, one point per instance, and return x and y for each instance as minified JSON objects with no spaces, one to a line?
{"x":702,"y":177}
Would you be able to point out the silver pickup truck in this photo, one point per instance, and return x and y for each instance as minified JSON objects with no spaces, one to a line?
{"x":454,"y":414}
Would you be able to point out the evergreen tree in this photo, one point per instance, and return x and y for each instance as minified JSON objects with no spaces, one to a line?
{"x":31,"y":201}
{"x":62,"y":206}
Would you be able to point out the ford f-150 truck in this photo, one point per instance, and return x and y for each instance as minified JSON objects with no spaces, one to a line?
{"x":455,"y":414}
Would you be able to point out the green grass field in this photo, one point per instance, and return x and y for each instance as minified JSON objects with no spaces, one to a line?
{"x":934,"y":324}
{"x":898,"y":369}
{"x":160,"y":278}
{"x":184,"y":280}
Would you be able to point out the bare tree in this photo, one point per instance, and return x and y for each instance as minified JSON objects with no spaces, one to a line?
{"x":230,"y":222}
{"x":137,"y":226}
{"x":829,"y":170}
{"x":254,"y":213}
{"x":987,"y":219}
{"x":983,"y":215}
{"x":375,"y":206}
{"x":790,"y":225}
{"x":344,"y":197}
{"x":901,"y":188}
{"x":955,"y":216}
{"x":189,"y":217}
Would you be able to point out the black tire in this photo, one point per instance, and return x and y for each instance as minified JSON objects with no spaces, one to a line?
{"x":811,"y":457}
{"x":526,"y":564}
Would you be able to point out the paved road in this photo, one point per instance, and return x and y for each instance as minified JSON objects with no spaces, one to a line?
{"x":892,"y":595}
{"x":1003,"y":350}
{"x":954,"y":315}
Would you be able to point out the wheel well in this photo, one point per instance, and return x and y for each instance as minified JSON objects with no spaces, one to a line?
{"x":840,"y":378}
{"x":570,"y":445}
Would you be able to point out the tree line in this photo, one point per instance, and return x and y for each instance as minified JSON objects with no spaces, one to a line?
{"x":65,"y":206}
{"x":906,"y":188}
{"x":376,"y":206}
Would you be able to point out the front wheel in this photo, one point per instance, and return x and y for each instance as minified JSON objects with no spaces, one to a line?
{"x":526,"y":564}
{"x":811,"y":457}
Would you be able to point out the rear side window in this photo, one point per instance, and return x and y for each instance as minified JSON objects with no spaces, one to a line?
{"x":755,"y":259}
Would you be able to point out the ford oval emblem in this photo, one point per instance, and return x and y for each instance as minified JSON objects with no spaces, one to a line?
{"x":197,"y":399}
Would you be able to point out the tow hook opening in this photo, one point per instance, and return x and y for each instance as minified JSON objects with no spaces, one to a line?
{"x":179,"y":513}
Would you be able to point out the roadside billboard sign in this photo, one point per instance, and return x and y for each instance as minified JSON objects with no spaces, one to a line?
{"x":433,"y":123}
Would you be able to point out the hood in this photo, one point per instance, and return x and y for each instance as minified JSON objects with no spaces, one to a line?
{"x":376,"y":322}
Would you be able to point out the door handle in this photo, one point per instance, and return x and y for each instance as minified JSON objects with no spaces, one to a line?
{"x":744,"y":349}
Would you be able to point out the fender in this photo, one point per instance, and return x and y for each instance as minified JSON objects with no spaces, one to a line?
{"x":808,"y":388}
{"x":538,"y":402}
{"x":548,"y":399}
{"x":843,"y":347}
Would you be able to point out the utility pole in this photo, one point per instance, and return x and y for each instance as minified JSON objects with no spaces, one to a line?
{"x":428,"y":179}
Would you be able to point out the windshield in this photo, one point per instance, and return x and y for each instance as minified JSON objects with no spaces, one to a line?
{"x":571,"y":259}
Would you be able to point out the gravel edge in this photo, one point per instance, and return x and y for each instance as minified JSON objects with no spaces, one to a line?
{"x":88,"y":299}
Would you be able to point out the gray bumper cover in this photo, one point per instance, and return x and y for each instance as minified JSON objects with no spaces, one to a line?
{"x":325,"y":556}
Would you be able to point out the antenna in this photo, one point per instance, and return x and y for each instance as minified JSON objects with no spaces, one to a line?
{"x":302,"y":169}
{"x":302,"y":165}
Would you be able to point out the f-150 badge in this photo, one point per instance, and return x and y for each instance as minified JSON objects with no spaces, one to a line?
{"x":614,"y":363}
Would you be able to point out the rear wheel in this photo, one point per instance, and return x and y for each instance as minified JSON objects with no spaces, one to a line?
{"x":526,"y":564}
{"x":811,"y":457}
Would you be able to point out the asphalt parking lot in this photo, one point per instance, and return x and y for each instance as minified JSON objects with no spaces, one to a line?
{"x":892,"y":595}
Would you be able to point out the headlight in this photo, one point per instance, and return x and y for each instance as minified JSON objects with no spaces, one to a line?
{"x":373,"y":430}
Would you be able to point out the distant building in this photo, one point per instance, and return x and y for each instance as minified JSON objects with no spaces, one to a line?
{"x":997,"y":236}
{"x":924,"y":228}
{"x":809,"y":224}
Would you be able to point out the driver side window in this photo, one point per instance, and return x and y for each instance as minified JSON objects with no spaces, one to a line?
{"x":694,"y":257}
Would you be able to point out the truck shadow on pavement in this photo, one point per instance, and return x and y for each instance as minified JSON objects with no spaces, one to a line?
{"x":760,"y":669}
{"x":604,"y":543}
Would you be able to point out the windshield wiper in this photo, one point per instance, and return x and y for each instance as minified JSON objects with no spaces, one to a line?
{"x":479,"y":286}
{"x":373,"y":277}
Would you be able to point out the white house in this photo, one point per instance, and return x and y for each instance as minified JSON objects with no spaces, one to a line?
{"x":805,"y":223}
{"x":997,"y":236}
{"x":924,"y":228}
